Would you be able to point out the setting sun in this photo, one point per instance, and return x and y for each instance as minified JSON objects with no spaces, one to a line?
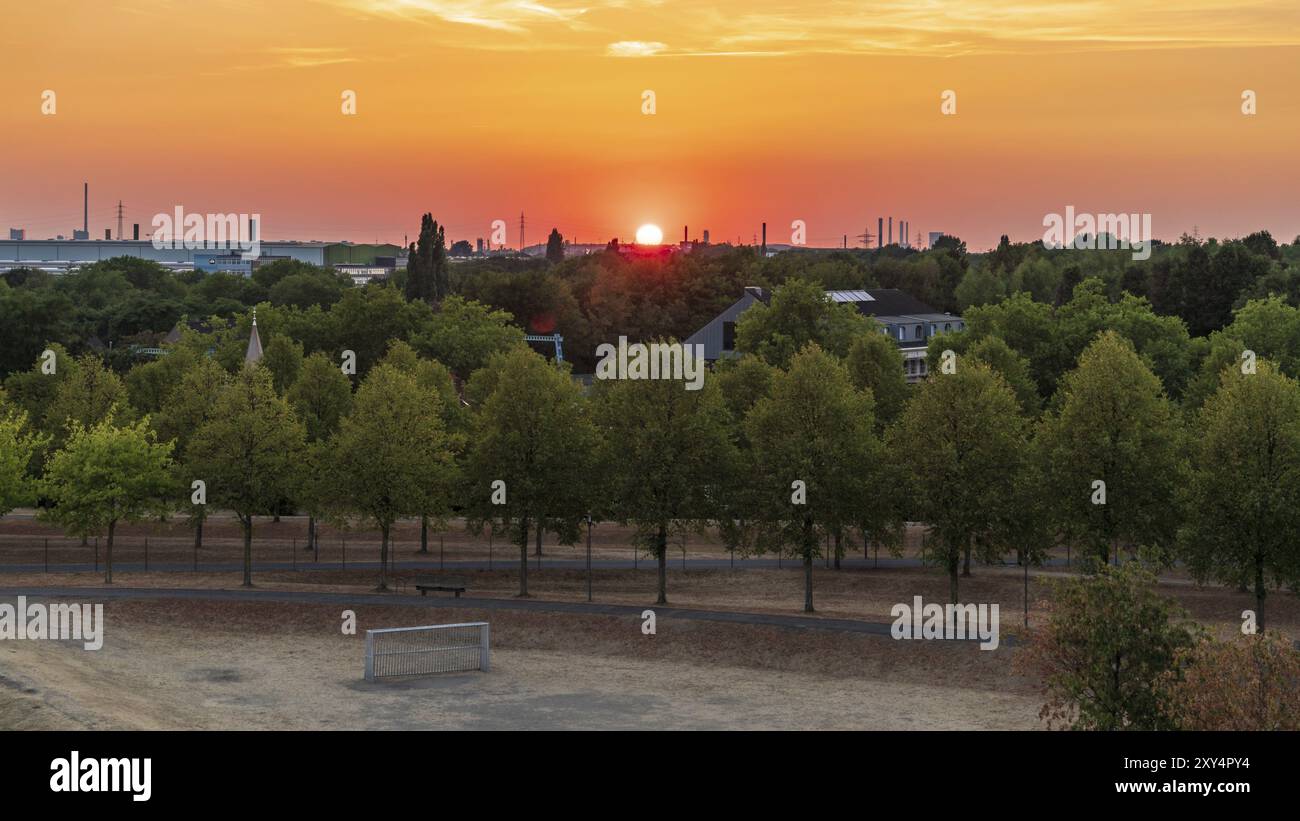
{"x":649,"y":235}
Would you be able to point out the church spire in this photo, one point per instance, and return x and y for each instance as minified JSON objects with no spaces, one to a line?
{"x":254,"y":352}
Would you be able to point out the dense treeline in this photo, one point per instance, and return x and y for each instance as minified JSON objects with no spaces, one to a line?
{"x":124,"y":302}
{"x":1099,"y":425}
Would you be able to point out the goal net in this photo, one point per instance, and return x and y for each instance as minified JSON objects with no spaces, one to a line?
{"x":419,"y":651}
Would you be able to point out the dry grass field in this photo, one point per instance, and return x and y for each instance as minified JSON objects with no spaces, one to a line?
{"x":256,"y":664}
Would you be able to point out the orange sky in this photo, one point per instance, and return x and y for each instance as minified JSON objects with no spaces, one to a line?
{"x":827,"y":112}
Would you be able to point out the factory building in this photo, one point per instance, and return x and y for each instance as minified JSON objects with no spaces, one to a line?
{"x":62,"y":254}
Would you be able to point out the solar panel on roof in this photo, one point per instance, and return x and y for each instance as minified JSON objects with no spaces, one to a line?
{"x":850,"y":296}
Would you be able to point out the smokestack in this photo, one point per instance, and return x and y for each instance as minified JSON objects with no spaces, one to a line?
{"x":686,"y":234}
{"x":891,"y":230}
{"x":135,"y":230}
{"x":706,"y":236}
{"x":880,"y":232}
{"x":85,"y":208}
{"x":764,"y":250}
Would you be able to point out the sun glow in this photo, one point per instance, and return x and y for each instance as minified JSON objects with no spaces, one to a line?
{"x":649,"y":235}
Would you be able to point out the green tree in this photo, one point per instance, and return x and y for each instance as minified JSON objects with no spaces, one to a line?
{"x":982,"y":285}
{"x":1243,"y":501}
{"x":283,"y":358}
{"x":1112,"y":425}
{"x":875,"y":363}
{"x":426,"y":266}
{"x":533,"y":434}
{"x":107,"y":474}
{"x":185,"y":409}
{"x":960,"y":441}
{"x":249,"y":452}
{"x":815,"y":449}
{"x":555,"y":247}
{"x":667,"y":453}
{"x":464,"y":334}
{"x":17,"y":446}
{"x":1012,"y":367}
{"x":84,"y":395}
{"x":800,"y":312}
{"x":390,"y":456}
{"x":320,"y":398}
{"x":1109,"y":651}
{"x":433,"y":377}
{"x":1160,"y":340}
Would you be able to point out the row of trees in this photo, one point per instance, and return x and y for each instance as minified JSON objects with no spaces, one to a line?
{"x":790,"y":456}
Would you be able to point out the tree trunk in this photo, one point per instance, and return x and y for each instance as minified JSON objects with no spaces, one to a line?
{"x":198,"y":533}
{"x":838,"y":547}
{"x":108,"y":563}
{"x":953,"y":562}
{"x":248,"y":551}
{"x":807,"y":582}
{"x":383,"y":557}
{"x":1259,"y":592}
{"x":523,"y":558}
{"x":661,"y":552}
{"x":965,"y":568}
{"x":424,"y":534}
{"x":809,"y":545}
{"x":311,"y":533}
{"x":539,"y":536}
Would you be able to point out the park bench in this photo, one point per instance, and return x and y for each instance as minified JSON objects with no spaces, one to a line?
{"x":440,"y":585}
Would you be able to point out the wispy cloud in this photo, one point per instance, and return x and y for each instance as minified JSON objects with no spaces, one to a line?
{"x":635,"y":48}
{"x":281,"y":57}
{"x":644,"y":28}
{"x":516,"y":16}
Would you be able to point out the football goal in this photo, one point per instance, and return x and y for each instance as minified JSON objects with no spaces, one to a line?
{"x":420,"y":651}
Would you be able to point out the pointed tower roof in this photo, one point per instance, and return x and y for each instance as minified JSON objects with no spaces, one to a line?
{"x":254,"y":353}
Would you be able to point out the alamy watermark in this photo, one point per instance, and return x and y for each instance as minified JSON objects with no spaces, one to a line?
{"x":1093,"y":231}
{"x":946,"y":621}
{"x":208,"y":232}
{"x":54,"y":622}
{"x":657,"y":360}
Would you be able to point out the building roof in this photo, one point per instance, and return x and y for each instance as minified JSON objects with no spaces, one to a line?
{"x":876,"y":302}
{"x":254,"y":353}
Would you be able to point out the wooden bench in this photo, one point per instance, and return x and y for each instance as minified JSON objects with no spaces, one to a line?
{"x":440,"y":585}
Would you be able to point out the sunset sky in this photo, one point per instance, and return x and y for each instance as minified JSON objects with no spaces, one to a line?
{"x":827,"y":112}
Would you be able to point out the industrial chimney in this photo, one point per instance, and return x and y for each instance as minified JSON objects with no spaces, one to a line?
{"x":880,"y":232}
{"x":85,"y":209}
{"x":135,"y":230}
{"x":763,"y":252}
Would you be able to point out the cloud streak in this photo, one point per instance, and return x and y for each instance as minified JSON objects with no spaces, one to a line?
{"x":646,"y":28}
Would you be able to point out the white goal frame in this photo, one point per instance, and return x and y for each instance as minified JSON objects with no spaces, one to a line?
{"x":419,"y":651}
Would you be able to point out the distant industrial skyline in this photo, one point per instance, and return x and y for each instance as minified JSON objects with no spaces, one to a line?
{"x":763,"y":111}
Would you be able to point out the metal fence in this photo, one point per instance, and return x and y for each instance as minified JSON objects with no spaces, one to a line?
{"x":418,"y":651}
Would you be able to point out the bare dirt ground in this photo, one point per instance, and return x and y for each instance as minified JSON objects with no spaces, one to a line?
{"x":180,"y":665}
{"x":201,"y":664}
